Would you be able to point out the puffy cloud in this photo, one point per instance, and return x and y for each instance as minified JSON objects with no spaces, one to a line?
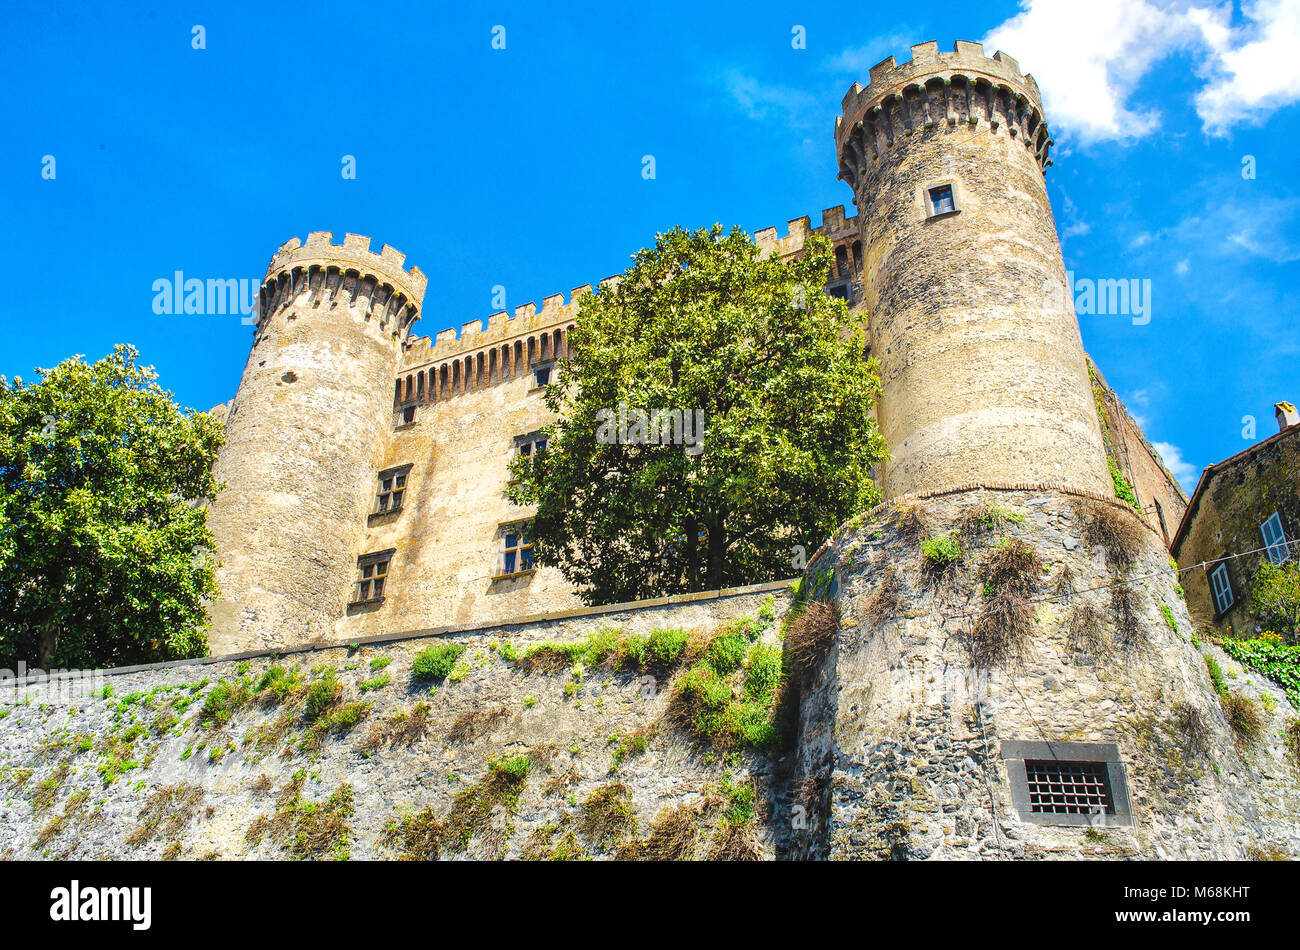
{"x":1251,"y":78}
{"x":1089,"y":59}
{"x":1185,"y":472}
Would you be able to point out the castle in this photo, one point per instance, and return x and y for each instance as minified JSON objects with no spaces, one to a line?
{"x":365,"y":464}
{"x":1006,"y":668}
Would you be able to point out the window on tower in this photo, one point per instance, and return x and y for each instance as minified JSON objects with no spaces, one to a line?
{"x":942,"y":200}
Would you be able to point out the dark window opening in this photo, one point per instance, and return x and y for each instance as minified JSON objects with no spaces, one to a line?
{"x":941,"y":200}
{"x":517,"y":551}
{"x":1068,"y":788}
{"x":530,"y":446}
{"x":372,"y":578}
{"x":408,"y":414}
{"x":543,"y":374}
{"x":392,"y":489}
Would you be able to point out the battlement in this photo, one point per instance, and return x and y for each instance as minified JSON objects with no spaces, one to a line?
{"x":500,"y":327}
{"x":386,"y":266}
{"x":324,"y":274}
{"x":934,"y":89}
{"x":834,"y":226}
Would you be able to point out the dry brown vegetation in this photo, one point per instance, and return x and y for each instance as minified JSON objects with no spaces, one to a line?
{"x":808,"y":638}
{"x":672,"y":837}
{"x":1116,"y":530}
{"x":884,"y":602}
{"x":735,"y":843}
{"x":607,"y":815}
{"x":1000,"y":633}
{"x":1128,"y":630}
{"x":1085,"y":629}
{"x":474,"y":723}
{"x":1244,"y":715}
{"x":1013,"y":567}
{"x":166,"y":813}
{"x":404,"y":727}
{"x":911,"y":523}
{"x":1194,"y":728}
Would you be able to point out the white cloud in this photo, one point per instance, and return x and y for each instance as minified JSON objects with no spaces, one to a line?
{"x":858,"y":60}
{"x":1089,"y":58}
{"x":759,"y":99}
{"x":1183,"y":267}
{"x":1185,"y":472}
{"x":1251,"y":78}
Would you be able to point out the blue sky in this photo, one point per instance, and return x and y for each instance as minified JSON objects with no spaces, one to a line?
{"x":522,"y":167}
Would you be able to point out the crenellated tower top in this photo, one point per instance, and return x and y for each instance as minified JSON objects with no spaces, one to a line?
{"x":375,"y":284}
{"x":935,"y":88}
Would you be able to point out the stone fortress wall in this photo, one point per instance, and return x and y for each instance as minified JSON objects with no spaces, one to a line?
{"x":1053,"y":634}
{"x":983,"y":376}
{"x":975,"y":388}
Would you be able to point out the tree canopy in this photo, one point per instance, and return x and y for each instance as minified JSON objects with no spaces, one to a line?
{"x":1275,"y":599}
{"x":702,"y":329}
{"x":104,"y":545}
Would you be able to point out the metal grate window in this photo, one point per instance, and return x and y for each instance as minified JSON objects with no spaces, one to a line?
{"x":1068,"y":788}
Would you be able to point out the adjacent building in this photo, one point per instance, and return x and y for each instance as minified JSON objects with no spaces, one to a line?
{"x":1245,"y":511}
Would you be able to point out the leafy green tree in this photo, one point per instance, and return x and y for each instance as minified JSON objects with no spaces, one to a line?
{"x":104,"y":544}
{"x":776,"y":367}
{"x":1275,"y":599}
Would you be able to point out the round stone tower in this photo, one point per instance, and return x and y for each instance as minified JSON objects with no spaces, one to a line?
{"x":983,"y":372}
{"x":305,"y":435}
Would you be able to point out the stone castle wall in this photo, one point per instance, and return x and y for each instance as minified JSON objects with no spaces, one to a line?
{"x":982,"y":367}
{"x":906,"y":744}
{"x":1161,"y":498}
{"x":136,"y":775}
{"x":448,"y":534}
{"x":304,"y":433}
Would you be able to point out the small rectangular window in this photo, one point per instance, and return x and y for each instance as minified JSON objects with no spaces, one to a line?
{"x":543,"y":374}
{"x":372,"y":576}
{"x":530,"y":445}
{"x":1275,"y":539}
{"x":392,"y":489}
{"x":1222,"y":587}
{"x":516,"y":552}
{"x":1068,"y":788}
{"x":408,"y":414}
{"x":941,"y":200}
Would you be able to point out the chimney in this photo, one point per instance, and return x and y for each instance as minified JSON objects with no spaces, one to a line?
{"x":1286,"y":415}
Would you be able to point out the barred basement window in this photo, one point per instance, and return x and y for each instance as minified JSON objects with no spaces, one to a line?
{"x":1068,"y":783}
{"x":1068,"y":788}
